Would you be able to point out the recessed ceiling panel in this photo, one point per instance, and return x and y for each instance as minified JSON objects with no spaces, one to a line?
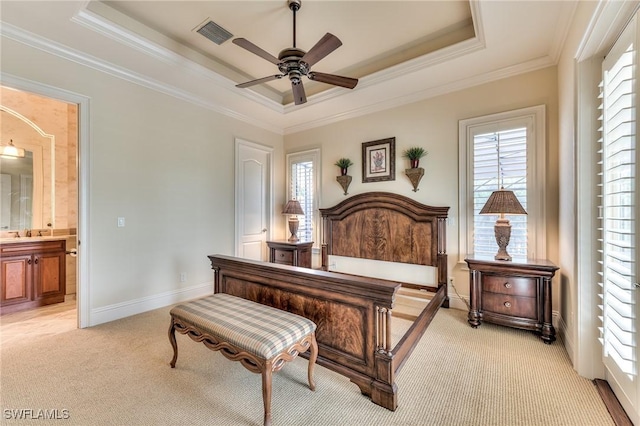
{"x":374,"y":35}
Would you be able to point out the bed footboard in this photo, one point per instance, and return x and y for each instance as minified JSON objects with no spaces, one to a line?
{"x":353,"y":316}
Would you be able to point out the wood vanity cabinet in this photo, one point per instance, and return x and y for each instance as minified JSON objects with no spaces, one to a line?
{"x":33,"y":274}
{"x":512,"y":293}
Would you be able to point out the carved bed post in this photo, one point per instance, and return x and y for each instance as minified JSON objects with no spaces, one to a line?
{"x":442,"y":258}
{"x":325,"y":258}
{"x":325,"y":233}
{"x":216,"y":279}
{"x":383,"y":330}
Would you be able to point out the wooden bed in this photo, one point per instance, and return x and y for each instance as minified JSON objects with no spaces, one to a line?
{"x":353,"y":313}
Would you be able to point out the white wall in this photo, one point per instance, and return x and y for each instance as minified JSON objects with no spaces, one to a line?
{"x":166,"y":166}
{"x":433,"y":124}
{"x":568,"y":95}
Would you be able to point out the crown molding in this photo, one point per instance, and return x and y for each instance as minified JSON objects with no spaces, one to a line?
{"x":454,"y":86}
{"x":30,"y":39}
{"x":562,"y":32}
{"x":121,"y":35}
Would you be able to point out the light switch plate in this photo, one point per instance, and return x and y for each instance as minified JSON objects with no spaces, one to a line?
{"x":121,"y":222}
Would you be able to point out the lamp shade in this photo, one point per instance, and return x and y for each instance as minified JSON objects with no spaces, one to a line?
{"x":293,"y":207}
{"x":503,"y":202}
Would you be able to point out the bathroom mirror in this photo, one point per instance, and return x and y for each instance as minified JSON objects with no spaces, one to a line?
{"x":27,"y":192}
{"x":21,"y":191}
{"x":16,"y":192}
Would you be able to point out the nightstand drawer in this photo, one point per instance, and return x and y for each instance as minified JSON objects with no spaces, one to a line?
{"x":516,"y":286}
{"x":514,"y":306}
{"x":283,"y":256}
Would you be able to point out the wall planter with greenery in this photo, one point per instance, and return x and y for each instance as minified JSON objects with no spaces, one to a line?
{"x":344,"y":179}
{"x":344,"y":164}
{"x":415,"y":173}
{"x":414,"y":154}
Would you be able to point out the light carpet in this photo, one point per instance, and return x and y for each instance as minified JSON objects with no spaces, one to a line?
{"x":118,"y":374}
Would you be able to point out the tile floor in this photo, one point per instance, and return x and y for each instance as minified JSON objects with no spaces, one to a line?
{"x":47,"y":320}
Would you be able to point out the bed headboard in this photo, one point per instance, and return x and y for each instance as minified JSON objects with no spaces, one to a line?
{"x":386,"y":226}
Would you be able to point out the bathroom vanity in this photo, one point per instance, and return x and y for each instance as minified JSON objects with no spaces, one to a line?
{"x":33,"y":272}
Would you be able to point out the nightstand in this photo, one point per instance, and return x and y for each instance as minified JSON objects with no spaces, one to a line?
{"x":290,"y":253}
{"x":512,"y":293}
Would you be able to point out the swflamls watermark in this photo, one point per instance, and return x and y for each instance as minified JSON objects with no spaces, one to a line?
{"x":35,"y":414}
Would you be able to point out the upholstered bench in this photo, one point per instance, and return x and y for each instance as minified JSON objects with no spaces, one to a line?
{"x":262,"y":338}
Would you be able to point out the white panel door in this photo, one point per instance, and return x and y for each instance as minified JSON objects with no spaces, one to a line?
{"x":253,"y":195}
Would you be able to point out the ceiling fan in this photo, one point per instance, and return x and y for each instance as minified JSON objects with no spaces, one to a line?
{"x":295,"y":63}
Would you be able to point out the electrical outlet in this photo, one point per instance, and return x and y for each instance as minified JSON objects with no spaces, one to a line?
{"x":121,"y":222}
{"x":183,"y":277}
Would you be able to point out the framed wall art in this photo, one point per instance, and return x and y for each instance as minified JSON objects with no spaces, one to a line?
{"x":379,"y":160}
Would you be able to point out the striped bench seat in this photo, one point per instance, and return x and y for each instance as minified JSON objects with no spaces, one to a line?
{"x":262,"y":338}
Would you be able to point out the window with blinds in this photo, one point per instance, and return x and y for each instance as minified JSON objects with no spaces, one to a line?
{"x":303,"y":172}
{"x":617,"y":210}
{"x":499,"y":160}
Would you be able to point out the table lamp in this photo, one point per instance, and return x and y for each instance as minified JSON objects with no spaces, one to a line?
{"x":503,"y":202}
{"x":293,"y":209}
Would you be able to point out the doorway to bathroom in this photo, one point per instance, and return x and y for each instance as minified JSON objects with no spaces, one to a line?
{"x":48,"y":121}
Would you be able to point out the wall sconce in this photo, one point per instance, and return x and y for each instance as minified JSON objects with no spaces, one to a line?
{"x":503,"y":202}
{"x":293,"y":208}
{"x":11,"y":151}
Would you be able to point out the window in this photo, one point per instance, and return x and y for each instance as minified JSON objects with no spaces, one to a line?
{"x":303,"y":178}
{"x":499,"y":161}
{"x":503,"y":150}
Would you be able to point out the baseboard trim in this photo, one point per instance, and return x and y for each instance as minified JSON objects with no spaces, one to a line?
{"x":619,"y":416}
{"x":457,"y":302}
{"x":138,"y":306}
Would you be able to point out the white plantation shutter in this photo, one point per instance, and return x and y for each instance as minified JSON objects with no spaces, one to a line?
{"x":302,"y":190}
{"x":303,"y":172}
{"x":618,"y":205}
{"x":499,"y":160}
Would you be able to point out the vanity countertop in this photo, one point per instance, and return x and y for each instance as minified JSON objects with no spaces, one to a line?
{"x":13,"y":240}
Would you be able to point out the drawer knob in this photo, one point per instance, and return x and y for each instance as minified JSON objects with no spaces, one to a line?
{"x":507,"y":285}
{"x":281,"y":254}
{"x":507,"y":304}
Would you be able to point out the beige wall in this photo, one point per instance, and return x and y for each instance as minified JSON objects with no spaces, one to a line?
{"x":165,"y":165}
{"x":433,"y":124}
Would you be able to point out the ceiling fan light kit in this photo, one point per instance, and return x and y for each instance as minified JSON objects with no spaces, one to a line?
{"x":294,"y":62}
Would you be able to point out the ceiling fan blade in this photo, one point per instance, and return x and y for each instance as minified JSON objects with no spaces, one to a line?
{"x":299,"y":97}
{"x":246,"y":44}
{"x":260,"y":80}
{"x":326,"y":45}
{"x":336,"y":80}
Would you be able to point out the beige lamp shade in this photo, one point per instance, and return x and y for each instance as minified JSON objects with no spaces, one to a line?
{"x":293,"y":208}
{"x":503,"y":202}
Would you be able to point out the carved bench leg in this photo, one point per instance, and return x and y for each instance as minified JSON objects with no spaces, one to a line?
{"x":313,"y":356}
{"x":266,"y":392}
{"x":174,"y":344}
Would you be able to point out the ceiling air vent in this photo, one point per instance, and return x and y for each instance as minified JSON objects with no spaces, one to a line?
{"x":214,"y":32}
